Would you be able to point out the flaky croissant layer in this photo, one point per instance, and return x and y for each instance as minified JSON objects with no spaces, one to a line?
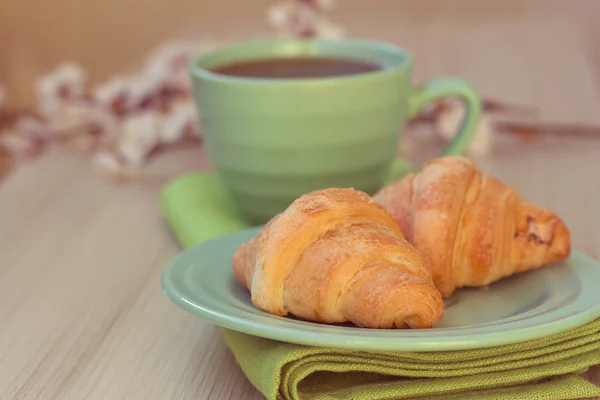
{"x":335,"y":256}
{"x":471,"y":228}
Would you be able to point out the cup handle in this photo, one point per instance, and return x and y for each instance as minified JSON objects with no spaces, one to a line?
{"x":446,"y":87}
{"x":433,"y":90}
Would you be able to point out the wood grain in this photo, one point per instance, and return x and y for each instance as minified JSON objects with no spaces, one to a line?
{"x":82,"y":314}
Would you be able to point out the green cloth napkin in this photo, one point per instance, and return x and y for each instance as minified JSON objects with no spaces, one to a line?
{"x":197,"y":208}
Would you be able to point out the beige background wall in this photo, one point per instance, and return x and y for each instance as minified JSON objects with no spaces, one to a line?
{"x":107,"y":36}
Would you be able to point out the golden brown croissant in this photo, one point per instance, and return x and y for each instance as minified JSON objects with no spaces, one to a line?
{"x":471,"y":228}
{"x":334,"y":256}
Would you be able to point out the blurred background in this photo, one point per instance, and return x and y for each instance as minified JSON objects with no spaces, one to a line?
{"x":108,"y":36}
{"x":538,"y":53}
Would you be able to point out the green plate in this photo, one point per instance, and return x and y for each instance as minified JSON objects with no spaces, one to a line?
{"x":534,"y":304}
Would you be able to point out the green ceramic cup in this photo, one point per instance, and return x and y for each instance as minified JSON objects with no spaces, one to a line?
{"x":272,"y":140}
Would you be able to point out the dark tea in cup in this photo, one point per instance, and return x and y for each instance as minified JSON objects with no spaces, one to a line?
{"x":296,"y":67}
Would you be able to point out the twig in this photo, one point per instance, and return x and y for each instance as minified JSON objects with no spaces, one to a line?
{"x":500,"y":106}
{"x":548,"y":128}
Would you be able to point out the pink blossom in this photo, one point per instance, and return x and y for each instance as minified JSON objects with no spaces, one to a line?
{"x":64,"y":83}
{"x":140,"y":134}
{"x":19,"y":146}
{"x":303,"y":19}
{"x":448,"y":123}
{"x":182,"y":118}
{"x":111,"y":94}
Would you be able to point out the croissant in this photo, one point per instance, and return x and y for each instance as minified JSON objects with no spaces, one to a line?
{"x":336,"y":256}
{"x":470,"y":227}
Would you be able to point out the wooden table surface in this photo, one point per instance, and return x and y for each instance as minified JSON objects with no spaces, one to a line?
{"x":82,"y":314}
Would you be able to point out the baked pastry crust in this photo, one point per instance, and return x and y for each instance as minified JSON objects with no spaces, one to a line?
{"x":335,"y":256}
{"x":471,"y":228}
